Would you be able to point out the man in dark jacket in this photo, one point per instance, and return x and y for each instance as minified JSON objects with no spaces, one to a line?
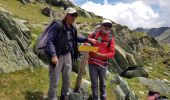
{"x":61,"y":49}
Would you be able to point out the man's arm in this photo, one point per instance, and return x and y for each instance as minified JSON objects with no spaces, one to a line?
{"x":82,"y":39}
{"x":51,"y":38}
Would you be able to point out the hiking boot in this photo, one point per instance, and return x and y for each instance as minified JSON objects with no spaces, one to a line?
{"x":64,"y":97}
{"x":103,"y":98}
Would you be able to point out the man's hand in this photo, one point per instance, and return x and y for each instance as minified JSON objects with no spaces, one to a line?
{"x":93,"y":41}
{"x":55,"y":60}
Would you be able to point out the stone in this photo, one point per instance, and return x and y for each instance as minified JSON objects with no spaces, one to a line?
{"x":15,"y":53}
{"x":122,"y":90}
{"x":156,"y":85}
{"x":131,"y":59}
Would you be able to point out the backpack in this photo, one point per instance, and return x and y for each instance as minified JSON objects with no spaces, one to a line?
{"x":110,"y":38}
{"x":41,"y":43}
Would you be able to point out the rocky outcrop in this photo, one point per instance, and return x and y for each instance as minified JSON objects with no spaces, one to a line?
{"x":85,"y":13}
{"x":60,"y":3}
{"x":122,"y":90}
{"x":136,"y":40}
{"x":15,"y":53}
{"x":126,"y":62}
{"x":157,"y":85}
{"x":138,"y":44}
{"x":27,"y":1}
{"x":54,"y":15}
{"x":154,"y":32}
{"x":164,"y":37}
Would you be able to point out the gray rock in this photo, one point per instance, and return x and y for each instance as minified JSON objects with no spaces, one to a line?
{"x":121,"y":58}
{"x":127,"y":64}
{"x":46,"y":11}
{"x":15,"y":53}
{"x":84,"y":13}
{"x":131,"y":59}
{"x":122,"y":91}
{"x":156,"y":85}
{"x":61,"y":3}
{"x":83,"y":94}
{"x":119,"y":93}
{"x":23,"y":28}
{"x":27,"y":1}
{"x":75,"y":96}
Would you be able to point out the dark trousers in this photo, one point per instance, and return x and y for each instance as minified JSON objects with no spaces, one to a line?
{"x":63,"y":66}
{"x":97,"y":72}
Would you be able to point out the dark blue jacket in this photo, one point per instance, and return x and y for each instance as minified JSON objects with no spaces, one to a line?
{"x":57,"y":38}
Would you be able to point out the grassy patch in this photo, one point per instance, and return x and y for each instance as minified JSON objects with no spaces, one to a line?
{"x":139,"y":89}
{"x":30,"y":12}
{"x":89,"y":20}
{"x":166,"y":47}
{"x":140,"y":34}
{"x":18,"y":85}
{"x":33,"y":85}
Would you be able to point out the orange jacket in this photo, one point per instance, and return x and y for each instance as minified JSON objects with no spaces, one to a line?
{"x":103,"y":48}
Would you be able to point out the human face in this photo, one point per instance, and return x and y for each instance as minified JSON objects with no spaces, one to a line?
{"x":70,"y":18}
{"x":108,"y":25}
{"x":106,"y":28}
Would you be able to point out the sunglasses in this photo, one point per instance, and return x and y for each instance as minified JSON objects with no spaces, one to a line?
{"x":107,"y":25}
{"x":73,"y":15}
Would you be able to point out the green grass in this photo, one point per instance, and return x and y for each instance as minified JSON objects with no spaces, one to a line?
{"x":89,"y":20}
{"x":26,"y":84}
{"x":166,"y":47}
{"x":18,"y":85}
{"x":30,"y":12}
{"x":140,"y":34}
{"x":33,"y":85}
{"x":29,"y":84}
{"x":136,"y":86}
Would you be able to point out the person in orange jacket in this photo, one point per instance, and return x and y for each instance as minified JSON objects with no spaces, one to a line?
{"x":98,"y":61}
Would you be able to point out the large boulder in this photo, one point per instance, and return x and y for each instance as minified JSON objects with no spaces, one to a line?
{"x":156,"y":85}
{"x":138,"y":44}
{"x":126,"y":63}
{"x":15,"y":53}
{"x":122,"y":90}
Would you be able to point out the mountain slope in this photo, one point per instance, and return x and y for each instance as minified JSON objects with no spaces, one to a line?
{"x":164,"y":37}
{"x":136,"y":53}
{"x":161,"y":34}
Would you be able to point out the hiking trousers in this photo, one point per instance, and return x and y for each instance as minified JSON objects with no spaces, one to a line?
{"x":64,"y":65}
{"x":97,"y":72}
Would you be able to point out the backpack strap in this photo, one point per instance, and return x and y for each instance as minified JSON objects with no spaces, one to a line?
{"x":94,"y":35}
{"x":109,"y":40}
{"x":61,"y":27}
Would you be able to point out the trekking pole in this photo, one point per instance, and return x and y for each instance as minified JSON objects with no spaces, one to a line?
{"x":81,"y":71}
